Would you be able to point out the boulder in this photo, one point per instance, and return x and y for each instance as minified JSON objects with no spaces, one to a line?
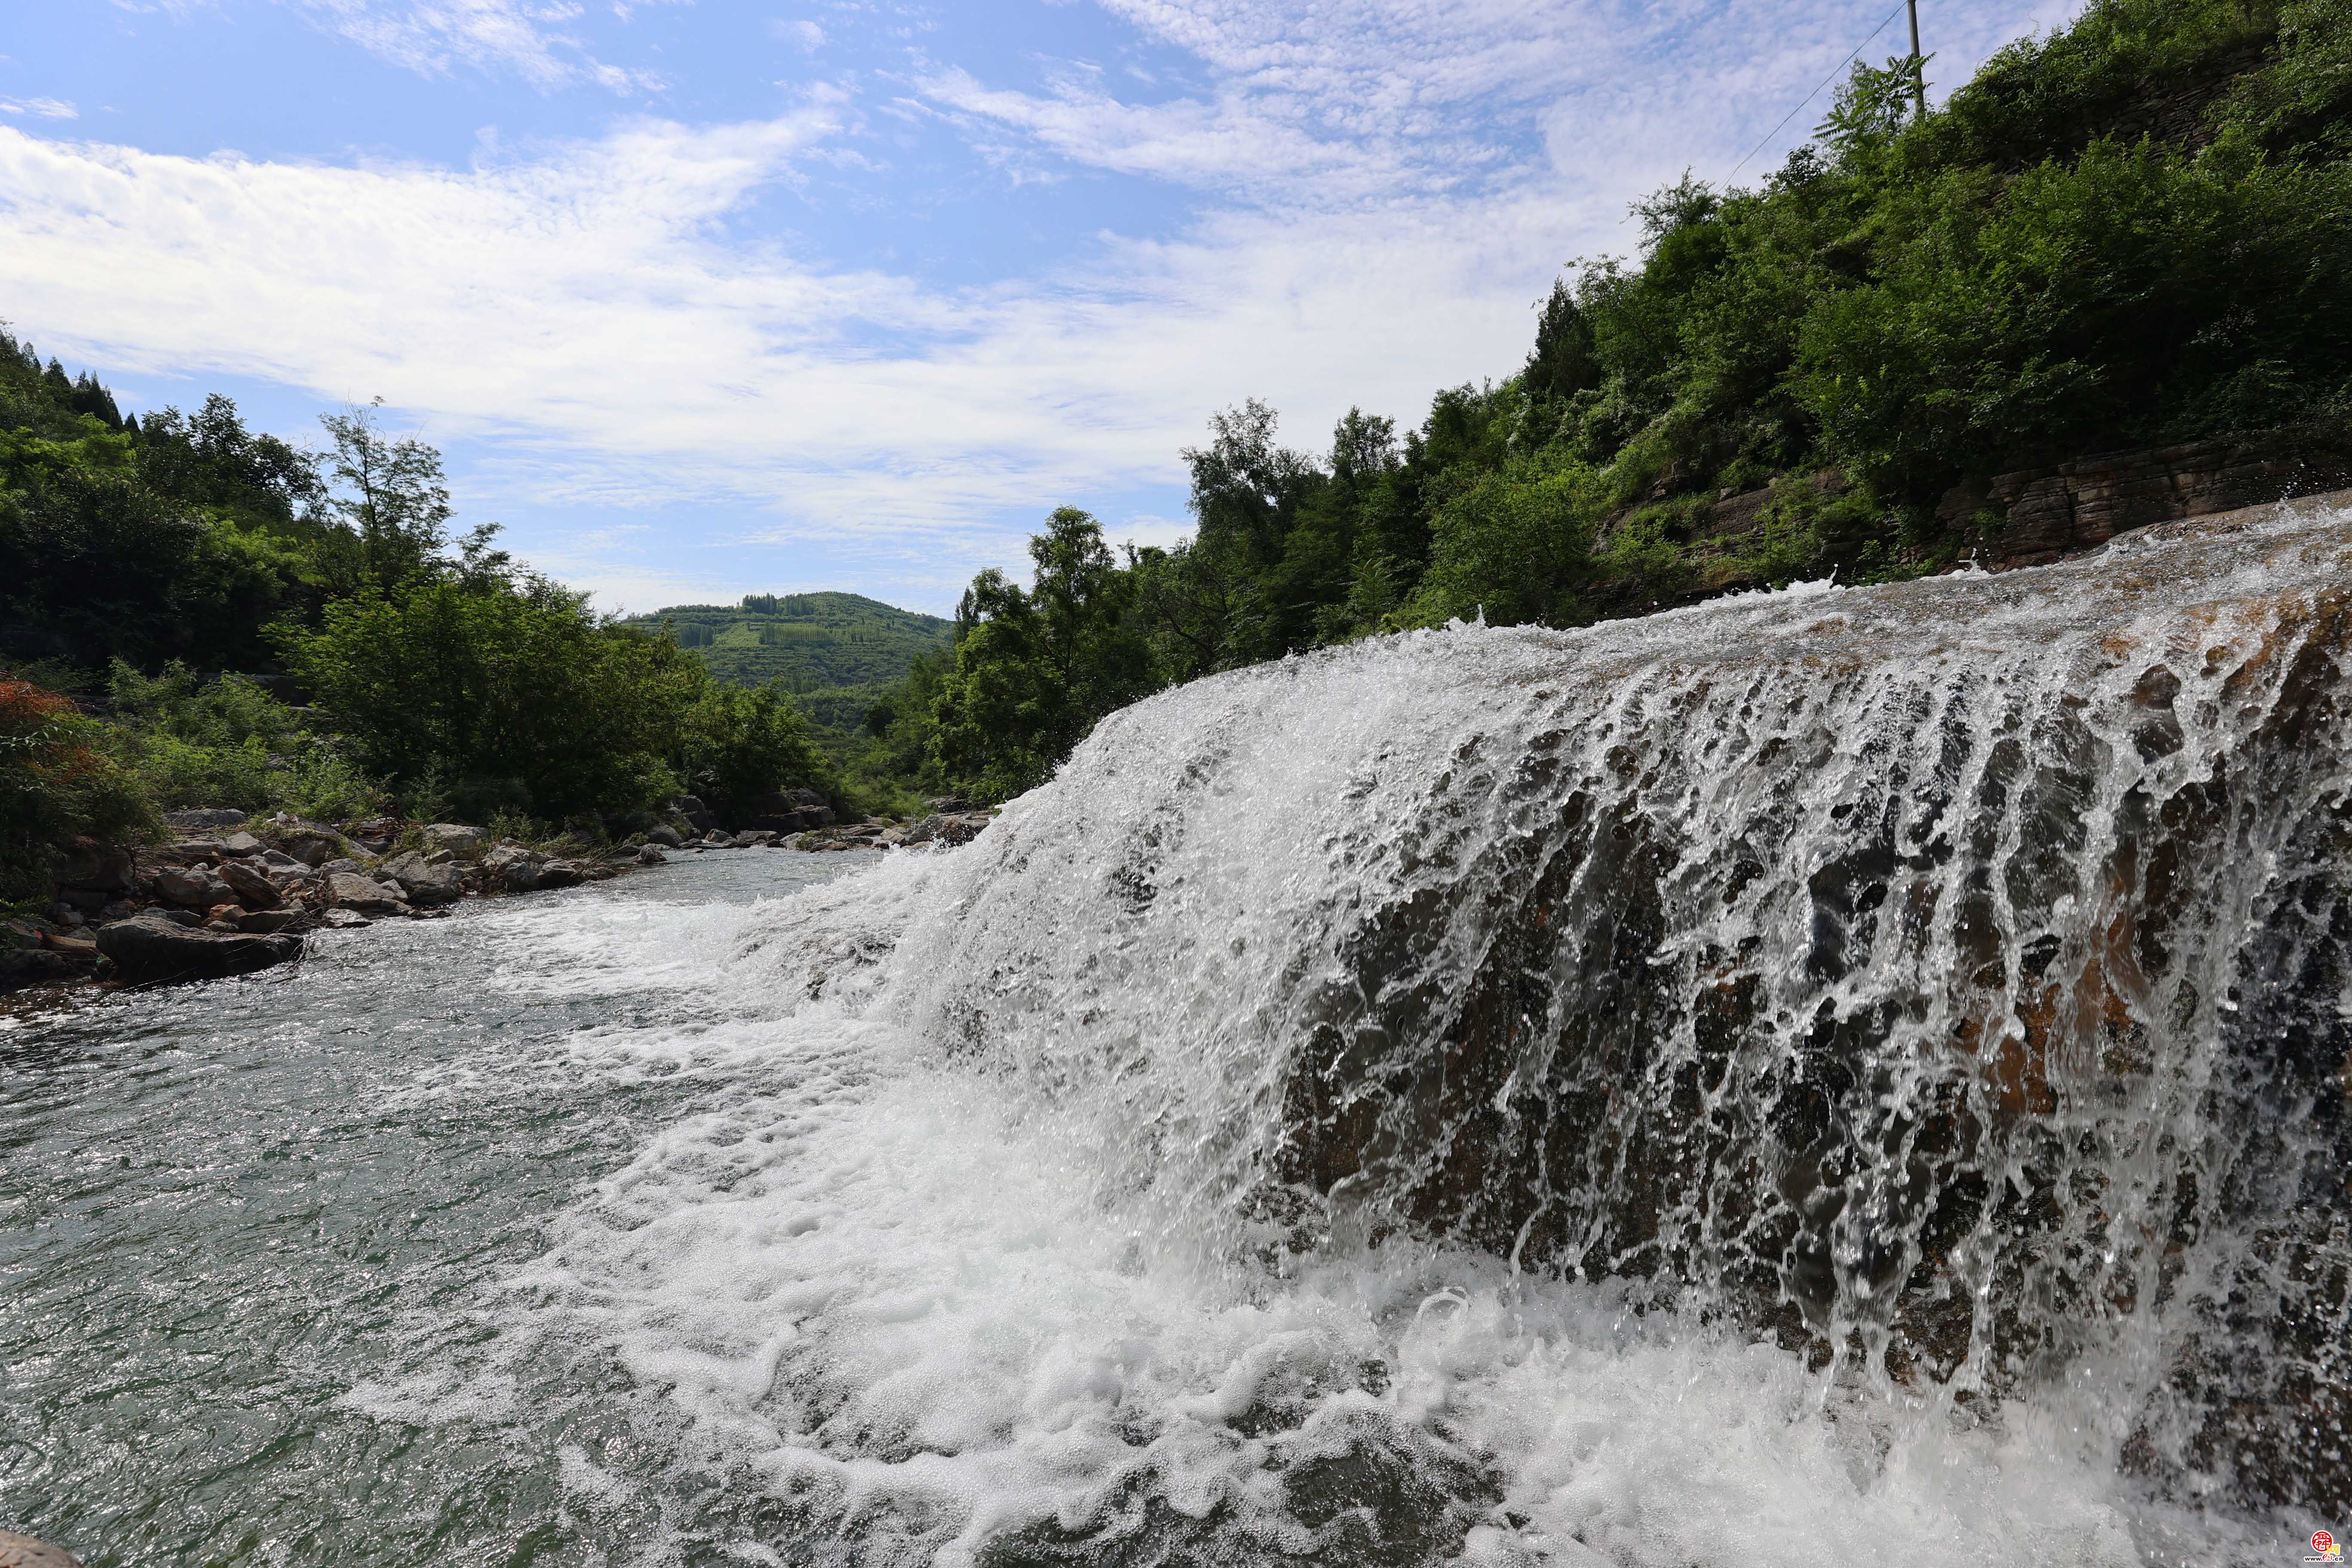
{"x":758,"y":838}
{"x":242,"y":845}
{"x":250,"y":884}
{"x":435,"y":881}
{"x":718,"y":838}
{"x":267,"y":923}
{"x":149,"y":948}
{"x":196,"y":889}
{"x":32,"y":955}
{"x":669,"y":838}
{"x":341,"y":863}
{"x":344,"y":920}
{"x":349,"y":891}
{"x":451,"y":835}
{"x":556,"y":874}
{"x":23,"y":1552}
{"x":943,"y":830}
{"x":311,"y":846}
{"x":205,"y":817}
{"x":651,"y":854}
{"x":690,"y":807}
{"x":786,"y":811}
{"x":510,"y":868}
{"x":93,"y":867}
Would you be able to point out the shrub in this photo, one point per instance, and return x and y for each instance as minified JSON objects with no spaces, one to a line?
{"x":58,"y":783}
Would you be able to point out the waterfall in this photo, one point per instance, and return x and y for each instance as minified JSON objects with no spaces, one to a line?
{"x":1945,"y":981}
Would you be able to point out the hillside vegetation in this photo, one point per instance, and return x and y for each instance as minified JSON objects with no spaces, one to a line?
{"x":2134,"y":231}
{"x":833,"y":652}
{"x":183,"y":578}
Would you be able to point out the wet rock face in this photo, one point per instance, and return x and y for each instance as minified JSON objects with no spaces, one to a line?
{"x":1956,"y":1017}
{"x":1945,"y":977}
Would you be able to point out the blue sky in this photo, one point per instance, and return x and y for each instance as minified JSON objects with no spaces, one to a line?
{"x":702,"y":297}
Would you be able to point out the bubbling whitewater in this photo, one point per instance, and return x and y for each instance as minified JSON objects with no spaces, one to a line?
{"x":1850,"y":1076}
{"x":1833,"y":1077}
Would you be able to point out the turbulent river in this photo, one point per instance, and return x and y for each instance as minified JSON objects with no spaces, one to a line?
{"x":1833,"y":1077}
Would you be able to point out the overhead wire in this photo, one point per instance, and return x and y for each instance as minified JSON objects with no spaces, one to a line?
{"x":1813,"y":95}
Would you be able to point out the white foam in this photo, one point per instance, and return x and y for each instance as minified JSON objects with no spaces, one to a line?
{"x":947,"y":1246}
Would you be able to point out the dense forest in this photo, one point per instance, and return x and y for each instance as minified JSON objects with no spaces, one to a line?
{"x":2134,"y":231}
{"x":835,"y":652}
{"x":195,"y":614}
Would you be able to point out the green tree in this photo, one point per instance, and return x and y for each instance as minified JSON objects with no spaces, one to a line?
{"x":391,"y":495}
{"x":1034,"y":671}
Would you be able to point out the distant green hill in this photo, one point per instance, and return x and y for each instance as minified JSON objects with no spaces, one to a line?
{"x":835,"y":651}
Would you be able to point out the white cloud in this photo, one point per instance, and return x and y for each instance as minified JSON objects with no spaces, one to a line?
{"x":584,"y":309}
{"x":1384,"y":191}
{"x":1367,"y":101}
{"x":526,"y":36}
{"x":803,"y":35}
{"x":39,"y":108}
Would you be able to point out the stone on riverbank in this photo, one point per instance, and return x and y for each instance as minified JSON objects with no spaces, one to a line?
{"x":250,"y":884}
{"x":23,"y":1552}
{"x":350,"y":890}
{"x":206,"y":818}
{"x":451,"y":835}
{"x":424,"y":881}
{"x":148,"y":948}
{"x":192,"y":890}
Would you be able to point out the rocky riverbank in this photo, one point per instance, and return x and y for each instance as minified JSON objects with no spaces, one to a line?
{"x":227,"y":895}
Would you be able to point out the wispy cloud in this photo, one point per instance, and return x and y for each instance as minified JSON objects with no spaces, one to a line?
{"x":582,"y":307}
{"x":530,"y":37}
{"x":1348,"y":102}
{"x":39,"y":108}
{"x":802,"y":35}
{"x":1371,"y":196}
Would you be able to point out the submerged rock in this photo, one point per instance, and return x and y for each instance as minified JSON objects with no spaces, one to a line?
{"x":148,"y":948}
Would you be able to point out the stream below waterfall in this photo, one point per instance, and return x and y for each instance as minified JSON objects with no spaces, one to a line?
{"x":771,"y":1208}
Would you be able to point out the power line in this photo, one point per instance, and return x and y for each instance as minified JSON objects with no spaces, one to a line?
{"x":1816,"y":93}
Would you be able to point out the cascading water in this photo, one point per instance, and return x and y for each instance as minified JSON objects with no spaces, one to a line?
{"x":1947,"y":983}
{"x":1847,"y":1076}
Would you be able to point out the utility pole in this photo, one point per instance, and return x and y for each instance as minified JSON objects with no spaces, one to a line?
{"x":1918,"y":65}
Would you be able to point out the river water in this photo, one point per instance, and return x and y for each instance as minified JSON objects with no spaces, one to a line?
{"x":1010,"y":1205}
